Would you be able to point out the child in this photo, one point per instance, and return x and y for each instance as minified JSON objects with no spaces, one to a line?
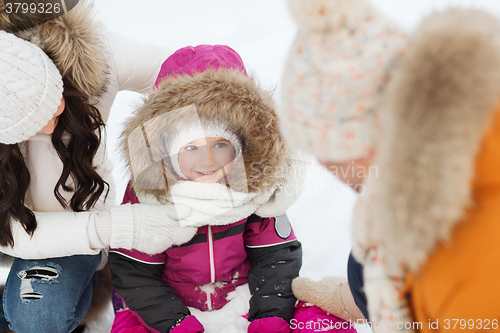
{"x":207,"y":142}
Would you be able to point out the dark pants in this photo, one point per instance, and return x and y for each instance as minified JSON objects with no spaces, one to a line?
{"x":355,"y":277}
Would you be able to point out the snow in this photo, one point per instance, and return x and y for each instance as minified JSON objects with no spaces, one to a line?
{"x":261,"y":31}
{"x":230,"y":318}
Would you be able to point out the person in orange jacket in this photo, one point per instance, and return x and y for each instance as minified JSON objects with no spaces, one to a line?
{"x":428,"y":238}
{"x":426,"y":230}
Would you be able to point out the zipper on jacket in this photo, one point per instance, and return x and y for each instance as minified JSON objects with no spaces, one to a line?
{"x":210,"y":241}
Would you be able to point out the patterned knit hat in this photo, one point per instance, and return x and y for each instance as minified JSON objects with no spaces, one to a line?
{"x":31,"y":89}
{"x":333,"y":78}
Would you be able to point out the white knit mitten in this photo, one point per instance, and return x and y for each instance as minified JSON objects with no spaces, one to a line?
{"x":331,"y":294}
{"x":149,"y":228}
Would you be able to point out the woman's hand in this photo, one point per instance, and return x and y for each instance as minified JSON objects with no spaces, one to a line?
{"x":149,"y":228}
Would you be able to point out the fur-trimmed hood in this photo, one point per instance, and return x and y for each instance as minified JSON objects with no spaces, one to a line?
{"x":224,"y":96}
{"x":437,"y":109}
{"x":74,"y":41}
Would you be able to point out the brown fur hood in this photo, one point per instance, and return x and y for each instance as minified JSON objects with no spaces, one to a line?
{"x":224,"y":96}
{"x":74,"y":41}
{"x":436,"y":111}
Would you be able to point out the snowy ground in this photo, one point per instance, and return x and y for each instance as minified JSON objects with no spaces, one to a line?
{"x":261,"y":31}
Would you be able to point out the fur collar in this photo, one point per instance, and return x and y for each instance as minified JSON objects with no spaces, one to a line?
{"x":74,"y":41}
{"x":225,"y":96}
{"x":436,"y":111}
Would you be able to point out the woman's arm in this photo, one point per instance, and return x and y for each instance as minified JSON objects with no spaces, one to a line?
{"x":147,"y":228}
{"x":133,"y":66}
{"x":136,"y":64}
{"x":58,"y":234}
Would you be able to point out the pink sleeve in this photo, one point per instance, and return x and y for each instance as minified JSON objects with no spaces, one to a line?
{"x":271,"y":231}
{"x":129,"y":196}
{"x":189,"y":325}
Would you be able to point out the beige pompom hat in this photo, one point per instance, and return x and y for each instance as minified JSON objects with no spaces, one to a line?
{"x":340,"y":61}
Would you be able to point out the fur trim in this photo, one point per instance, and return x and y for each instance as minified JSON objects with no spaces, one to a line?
{"x":226,"y":96}
{"x":437,"y":109}
{"x":74,"y":41}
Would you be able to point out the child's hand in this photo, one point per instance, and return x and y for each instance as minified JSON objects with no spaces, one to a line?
{"x":149,"y":228}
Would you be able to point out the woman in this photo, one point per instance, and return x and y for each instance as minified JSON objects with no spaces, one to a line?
{"x":55,"y":178}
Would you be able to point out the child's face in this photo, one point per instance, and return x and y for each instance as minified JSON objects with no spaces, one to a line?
{"x":206,"y":160}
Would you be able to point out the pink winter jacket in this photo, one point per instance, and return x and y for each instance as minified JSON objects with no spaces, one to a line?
{"x":262,"y":252}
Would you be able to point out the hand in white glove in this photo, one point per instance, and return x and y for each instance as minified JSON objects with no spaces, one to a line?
{"x":149,"y":228}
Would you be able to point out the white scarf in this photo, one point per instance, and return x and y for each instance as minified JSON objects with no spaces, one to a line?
{"x":216,"y":204}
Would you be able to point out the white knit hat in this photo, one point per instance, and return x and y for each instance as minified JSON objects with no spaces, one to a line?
{"x":336,"y":69}
{"x":31,"y":89}
{"x":188,"y":133}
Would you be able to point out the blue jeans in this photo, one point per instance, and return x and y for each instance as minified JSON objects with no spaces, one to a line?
{"x":48,"y":295}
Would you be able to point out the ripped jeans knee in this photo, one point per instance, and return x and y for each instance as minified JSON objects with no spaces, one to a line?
{"x":37,"y":274}
{"x":50,"y":295}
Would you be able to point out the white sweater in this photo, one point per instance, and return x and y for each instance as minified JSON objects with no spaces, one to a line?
{"x":133,"y":66}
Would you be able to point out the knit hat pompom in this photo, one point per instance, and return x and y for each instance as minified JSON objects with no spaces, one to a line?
{"x":327,"y":15}
{"x":31,"y":89}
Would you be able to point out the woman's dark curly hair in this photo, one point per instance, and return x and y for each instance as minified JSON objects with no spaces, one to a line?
{"x":83,"y":122}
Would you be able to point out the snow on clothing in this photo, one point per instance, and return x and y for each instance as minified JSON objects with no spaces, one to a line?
{"x":129,"y":65}
{"x":260,"y":251}
{"x":430,"y":226}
